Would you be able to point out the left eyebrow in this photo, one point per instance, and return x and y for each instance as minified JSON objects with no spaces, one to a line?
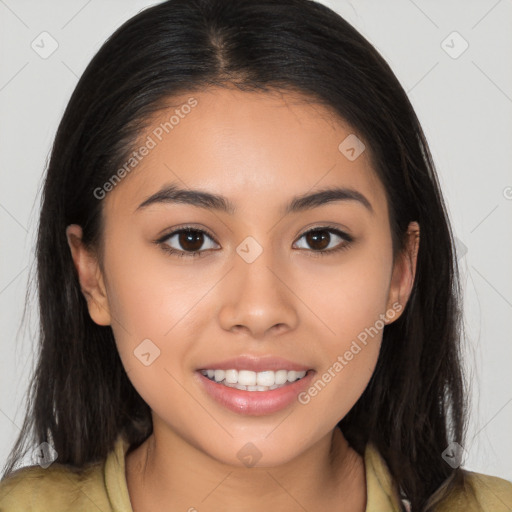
{"x":324,"y":196}
{"x":202,"y":199}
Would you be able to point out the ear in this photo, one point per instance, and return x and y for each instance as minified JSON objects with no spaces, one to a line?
{"x":404,"y":271}
{"x":89,"y":275}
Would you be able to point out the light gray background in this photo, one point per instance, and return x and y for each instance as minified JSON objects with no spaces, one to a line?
{"x":463,"y":103}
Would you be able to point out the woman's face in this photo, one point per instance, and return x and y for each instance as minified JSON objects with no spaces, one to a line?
{"x":260,"y":295}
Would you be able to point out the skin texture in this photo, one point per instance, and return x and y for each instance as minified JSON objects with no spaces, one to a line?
{"x":259,"y":150}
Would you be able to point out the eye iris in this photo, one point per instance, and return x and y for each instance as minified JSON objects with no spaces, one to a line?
{"x":190,"y":236}
{"x":319,"y":235}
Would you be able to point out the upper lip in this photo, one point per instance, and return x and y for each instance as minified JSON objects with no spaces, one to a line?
{"x":255,"y":364}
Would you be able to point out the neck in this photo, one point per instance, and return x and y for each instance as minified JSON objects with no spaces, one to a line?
{"x":165,"y":470}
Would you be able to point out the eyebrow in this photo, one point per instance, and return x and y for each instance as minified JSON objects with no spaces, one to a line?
{"x":202,"y":199}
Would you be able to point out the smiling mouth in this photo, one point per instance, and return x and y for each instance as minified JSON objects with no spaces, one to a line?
{"x":247,"y":380}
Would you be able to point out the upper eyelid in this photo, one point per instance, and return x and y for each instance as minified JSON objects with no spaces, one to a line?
{"x":337,"y":232}
{"x":184,"y":229}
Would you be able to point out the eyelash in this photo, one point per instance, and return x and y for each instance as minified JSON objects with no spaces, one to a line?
{"x":180,"y":254}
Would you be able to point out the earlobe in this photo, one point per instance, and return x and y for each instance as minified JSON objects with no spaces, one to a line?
{"x":404,"y":272}
{"x":90,"y":276}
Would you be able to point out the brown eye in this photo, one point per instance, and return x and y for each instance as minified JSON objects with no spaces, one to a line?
{"x":189,"y":242}
{"x":319,"y":240}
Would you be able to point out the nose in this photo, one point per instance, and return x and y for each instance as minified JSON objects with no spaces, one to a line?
{"x":257,"y":298}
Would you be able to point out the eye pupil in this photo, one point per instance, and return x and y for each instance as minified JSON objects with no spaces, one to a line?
{"x":319,"y":235}
{"x":193,"y":237}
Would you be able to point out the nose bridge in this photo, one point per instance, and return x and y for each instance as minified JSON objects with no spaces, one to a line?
{"x":257,"y":297}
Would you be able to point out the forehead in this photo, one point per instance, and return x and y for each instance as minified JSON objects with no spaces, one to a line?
{"x":265,"y":147}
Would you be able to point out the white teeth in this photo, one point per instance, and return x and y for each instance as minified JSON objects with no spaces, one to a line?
{"x":253,"y":381}
{"x":231,"y":376}
{"x":281,"y":376}
{"x":292,"y":376}
{"x":247,"y":378}
{"x":265,"y":378}
{"x":219,"y":375}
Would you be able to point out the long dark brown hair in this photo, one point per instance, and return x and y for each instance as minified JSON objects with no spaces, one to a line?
{"x":80,"y":398}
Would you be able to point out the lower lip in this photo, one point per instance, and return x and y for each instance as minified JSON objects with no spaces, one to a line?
{"x":255,"y":403}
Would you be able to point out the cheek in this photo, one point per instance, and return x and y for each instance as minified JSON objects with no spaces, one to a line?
{"x":159,"y":308}
{"x":150,"y":316}
{"x":350,"y":349}
{"x":149,"y":304}
{"x":348,"y":295}
{"x":340,"y":383}
{"x":350,"y":299}
{"x":149,"y":293}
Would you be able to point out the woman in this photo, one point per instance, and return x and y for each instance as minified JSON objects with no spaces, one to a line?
{"x":248,"y":291}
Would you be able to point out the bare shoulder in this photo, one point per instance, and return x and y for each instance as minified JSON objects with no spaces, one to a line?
{"x":57,"y":488}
